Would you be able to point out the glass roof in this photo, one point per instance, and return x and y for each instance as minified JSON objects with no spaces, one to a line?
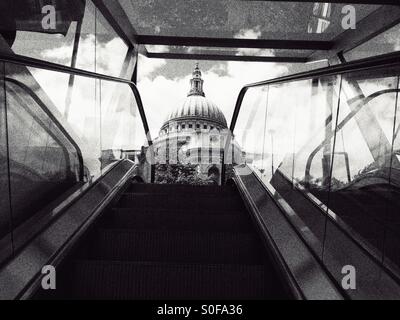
{"x":383,"y":43}
{"x":269,"y":20}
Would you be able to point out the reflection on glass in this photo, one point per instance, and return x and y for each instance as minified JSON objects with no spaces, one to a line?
{"x":110,"y":50}
{"x":118,"y":106}
{"x":26,"y":35}
{"x":5,"y":215}
{"x":303,"y":163}
{"x":53,"y":153}
{"x":362,"y":164}
{"x":330,"y":147}
{"x":42,"y":159}
{"x":386,"y":42}
{"x":84,"y":118}
{"x":82,"y":38}
{"x":239,"y":19}
{"x":250,"y":128}
{"x":85,"y":45}
{"x":392,"y":221}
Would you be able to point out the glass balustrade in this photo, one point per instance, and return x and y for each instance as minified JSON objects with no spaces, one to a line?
{"x":51,"y":147}
{"x":330,"y":147}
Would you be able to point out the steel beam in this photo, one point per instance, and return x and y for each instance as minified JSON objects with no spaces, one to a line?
{"x":217,"y":57}
{"x":235,"y":43}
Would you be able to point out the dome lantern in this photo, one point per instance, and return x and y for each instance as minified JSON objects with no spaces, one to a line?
{"x":196,"y":83}
{"x":197,"y":107}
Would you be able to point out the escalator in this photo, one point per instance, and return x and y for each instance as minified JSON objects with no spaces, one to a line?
{"x":108,"y":236}
{"x":258,"y":237}
{"x":171,"y":242}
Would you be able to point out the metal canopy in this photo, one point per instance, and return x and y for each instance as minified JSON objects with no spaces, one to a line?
{"x":269,"y":31}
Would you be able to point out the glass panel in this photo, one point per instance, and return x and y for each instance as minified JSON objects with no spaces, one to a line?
{"x":42,"y":158}
{"x":392,"y":240}
{"x":239,"y":19}
{"x":297,"y":151}
{"x":362,"y":197}
{"x":5,"y":215}
{"x":281,"y":125}
{"x":110,"y":50}
{"x":23,"y":27}
{"x":383,"y":43}
{"x":331,"y":150}
{"x":81,"y":38}
{"x":86,"y":53}
{"x":315,"y":123}
{"x":118,"y":105}
{"x":84,"y":118}
{"x":53,"y":153}
{"x":288,"y":140}
{"x":250,"y":127}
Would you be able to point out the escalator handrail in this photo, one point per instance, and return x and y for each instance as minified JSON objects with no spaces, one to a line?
{"x":387,"y":60}
{"x":44,"y":65}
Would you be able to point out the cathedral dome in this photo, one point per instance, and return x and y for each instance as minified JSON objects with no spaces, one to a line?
{"x":197,"y":106}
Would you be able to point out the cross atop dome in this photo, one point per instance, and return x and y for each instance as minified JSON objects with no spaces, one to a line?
{"x":196,"y":83}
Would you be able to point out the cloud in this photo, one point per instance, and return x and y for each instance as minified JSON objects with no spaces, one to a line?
{"x":157,"y":48}
{"x":254,"y":33}
{"x":147,"y":66}
{"x":109,"y":56}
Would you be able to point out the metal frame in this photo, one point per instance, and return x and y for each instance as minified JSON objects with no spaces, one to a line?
{"x":325,"y":46}
{"x":235,"y":43}
{"x":374,"y":24}
{"x":217,"y":57}
{"x":117,"y":18}
{"x":54,"y":121}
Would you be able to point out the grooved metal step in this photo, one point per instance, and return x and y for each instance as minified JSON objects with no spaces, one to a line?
{"x":185,"y":246}
{"x":144,"y":280}
{"x":178,"y":220}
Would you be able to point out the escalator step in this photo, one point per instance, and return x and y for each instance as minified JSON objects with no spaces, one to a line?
{"x":177,"y":212}
{"x":179,"y":188}
{"x":191,"y":247}
{"x":172,"y":220}
{"x":144,"y":280}
{"x":180,"y":202}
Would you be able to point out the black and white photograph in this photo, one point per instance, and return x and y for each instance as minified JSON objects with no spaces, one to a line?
{"x":199,"y":155}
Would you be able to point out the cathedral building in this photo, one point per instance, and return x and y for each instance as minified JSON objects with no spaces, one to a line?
{"x":195,"y":133}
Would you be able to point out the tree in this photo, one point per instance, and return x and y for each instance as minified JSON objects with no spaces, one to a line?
{"x":180,"y":174}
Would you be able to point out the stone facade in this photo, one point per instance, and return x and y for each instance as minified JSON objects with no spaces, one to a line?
{"x":195,"y":133}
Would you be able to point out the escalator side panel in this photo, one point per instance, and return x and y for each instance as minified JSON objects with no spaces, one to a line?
{"x":50,"y":246}
{"x":307,"y":279}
